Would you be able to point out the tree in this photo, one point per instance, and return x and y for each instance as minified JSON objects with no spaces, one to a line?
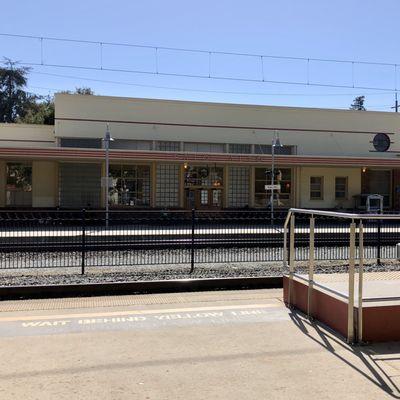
{"x":358,"y":104}
{"x":40,"y":112}
{"x":84,"y":90}
{"x":14,"y":100}
{"x":79,"y":90}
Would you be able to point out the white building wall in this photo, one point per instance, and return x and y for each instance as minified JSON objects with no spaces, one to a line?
{"x":328,"y":174}
{"x":314,"y":131}
{"x":26,"y":135}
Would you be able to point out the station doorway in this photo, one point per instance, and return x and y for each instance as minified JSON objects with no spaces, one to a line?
{"x":204,"y":187}
{"x":204,"y":198}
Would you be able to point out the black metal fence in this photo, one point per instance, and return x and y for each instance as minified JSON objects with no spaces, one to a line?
{"x":48,"y":239}
{"x":332,"y":236}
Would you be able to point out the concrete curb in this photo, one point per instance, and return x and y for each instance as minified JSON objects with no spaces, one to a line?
{"x":138,"y":287}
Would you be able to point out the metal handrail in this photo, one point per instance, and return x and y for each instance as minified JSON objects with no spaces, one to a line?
{"x":350,"y":216}
{"x":341,"y":214}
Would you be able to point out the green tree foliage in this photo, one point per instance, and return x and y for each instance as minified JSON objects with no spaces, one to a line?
{"x":84,"y":90}
{"x":14,"y":100}
{"x":358,"y":104}
{"x":19,"y":106}
{"x":40,"y":112}
{"x":79,"y":90}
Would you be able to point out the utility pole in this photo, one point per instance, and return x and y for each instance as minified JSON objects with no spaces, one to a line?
{"x":107,"y":139}
{"x":396,"y":104}
{"x":275,"y":143}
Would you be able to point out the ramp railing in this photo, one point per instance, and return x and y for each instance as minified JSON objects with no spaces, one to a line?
{"x":355,"y":233}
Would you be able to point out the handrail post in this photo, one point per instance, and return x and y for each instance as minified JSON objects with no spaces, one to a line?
{"x":311,"y":259}
{"x":360,"y":281}
{"x":378,"y":250}
{"x":192,"y":242}
{"x":350,"y":309}
{"x":291,"y":259}
{"x":83,"y":250}
{"x":285,"y":251}
{"x":285,"y":237}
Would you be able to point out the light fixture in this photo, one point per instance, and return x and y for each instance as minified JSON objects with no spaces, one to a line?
{"x":364,"y":169}
{"x":276,"y":142}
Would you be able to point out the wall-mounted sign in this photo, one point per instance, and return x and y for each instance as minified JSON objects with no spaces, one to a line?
{"x":381,"y":142}
{"x":272,"y":187}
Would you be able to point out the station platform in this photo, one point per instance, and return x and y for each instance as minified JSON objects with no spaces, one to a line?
{"x":329,"y":304}
{"x":209,"y":345}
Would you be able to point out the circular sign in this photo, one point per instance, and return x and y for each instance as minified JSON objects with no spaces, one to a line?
{"x":381,"y":142}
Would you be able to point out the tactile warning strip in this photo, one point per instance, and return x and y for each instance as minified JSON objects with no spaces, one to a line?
{"x":133,"y":300}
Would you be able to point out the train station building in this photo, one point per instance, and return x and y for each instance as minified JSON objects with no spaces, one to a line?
{"x":179,"y":155}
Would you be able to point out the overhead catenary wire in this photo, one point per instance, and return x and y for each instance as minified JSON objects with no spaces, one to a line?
{"x":221,"y":78}
{"x":183,"y":49}
{"x":308,"y":81}
{"x":193,"y":89}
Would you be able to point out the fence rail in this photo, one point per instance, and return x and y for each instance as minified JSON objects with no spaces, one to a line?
{"x":46,"y":239}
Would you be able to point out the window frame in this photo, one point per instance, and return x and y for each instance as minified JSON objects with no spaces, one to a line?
{"x":262,"y":196}
{"x":346,"y":188}
{"x":240,"y":148}
{"x":321,"y":189}
{"x":139,"y":176}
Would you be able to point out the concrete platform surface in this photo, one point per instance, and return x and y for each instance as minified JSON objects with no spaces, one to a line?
{"x":214,"y":345}
{"x":376,"y":285}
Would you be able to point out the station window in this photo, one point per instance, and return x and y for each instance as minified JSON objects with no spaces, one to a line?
{"x":204,"y":147}
{"x":19,"y":185}
{"x":127,"y":144}
{"x":316,"y":188}
{"x":204,"y":175}
{"x":167,"y":185}
{"x":130,"y":185}
{"x":83,"y":143}
{"x":341,"y":187}
{"x":267,"y":148}
{"x":283,"y":177}
{"x":163,"y":145}
{"x":239,"y":186}
{"x":239,"y":148}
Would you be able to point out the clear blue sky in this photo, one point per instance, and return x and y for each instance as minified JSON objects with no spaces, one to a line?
{"x":365,"y":30}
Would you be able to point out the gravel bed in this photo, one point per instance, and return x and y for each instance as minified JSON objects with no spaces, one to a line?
{"x":72,"y":275}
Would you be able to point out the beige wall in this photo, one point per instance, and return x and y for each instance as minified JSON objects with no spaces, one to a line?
{"x":329,"y":174}
{"x":2,"y":183}
{"x":328,"y":141}
{"x":24,"y":135}
{"x":44,"y":184}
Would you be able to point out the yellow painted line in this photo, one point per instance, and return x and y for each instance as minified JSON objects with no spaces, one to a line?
{"x":139,"y":312}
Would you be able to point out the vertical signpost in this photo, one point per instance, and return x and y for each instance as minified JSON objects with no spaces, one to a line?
{"x":275,"y":143}
{"x":107,"y":139}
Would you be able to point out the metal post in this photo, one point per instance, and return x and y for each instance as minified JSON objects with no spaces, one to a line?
{"x":285,"y":248}
{"x":350,"y":309}
{"x":311,"y":259}
{"x":107,"y":140}
{"x":272,"y":180}
{"x":378,"y":250}
{"x":291,"y":259}
{"x":192,"y":242}
{"x":83,"y":249}
{"x":360,"y":281}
